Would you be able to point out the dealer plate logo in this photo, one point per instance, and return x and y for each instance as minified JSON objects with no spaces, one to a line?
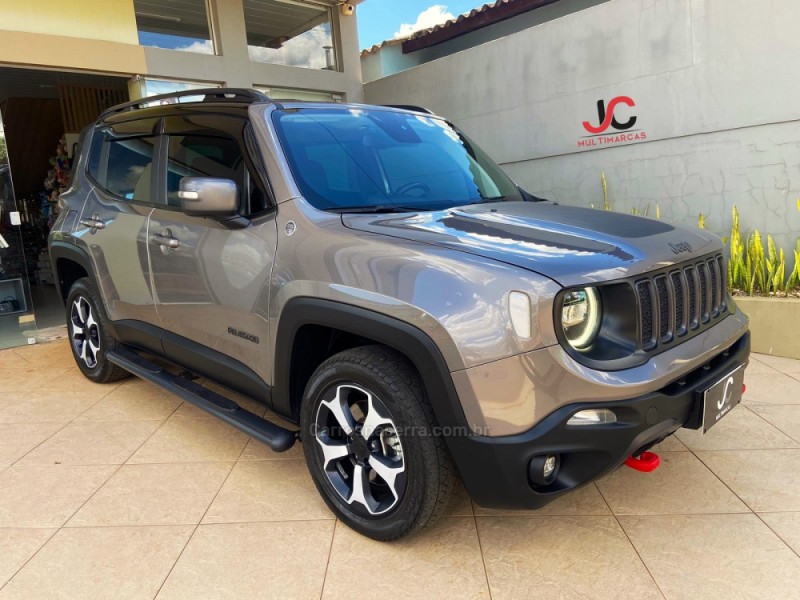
{"x":610,"y":129}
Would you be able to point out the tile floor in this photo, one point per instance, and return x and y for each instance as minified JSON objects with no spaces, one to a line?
{"x":121,"y":491}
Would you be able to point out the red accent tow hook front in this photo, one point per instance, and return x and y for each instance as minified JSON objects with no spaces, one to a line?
{"x":646,"y":463}
{"x":744,"y":388}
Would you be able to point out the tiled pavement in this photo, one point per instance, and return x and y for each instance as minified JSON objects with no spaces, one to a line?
{"x":121,"y":491}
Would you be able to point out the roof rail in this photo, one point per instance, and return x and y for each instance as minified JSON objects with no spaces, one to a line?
{"x":421,"y":109}
{"x":209,"y":95}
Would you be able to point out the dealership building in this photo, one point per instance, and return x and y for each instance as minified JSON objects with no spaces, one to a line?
{"x":62,"y":64}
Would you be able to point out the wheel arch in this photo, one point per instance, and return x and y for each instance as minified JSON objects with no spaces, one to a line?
{"x":303,"y":317}
{"x":70,"y":263}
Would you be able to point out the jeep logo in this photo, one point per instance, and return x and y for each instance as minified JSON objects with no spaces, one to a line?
{"x":679,"y":247}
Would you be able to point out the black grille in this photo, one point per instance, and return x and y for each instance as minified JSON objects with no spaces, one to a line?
{"x":679,"y":287}
{"x":723,"y":277}
{"x":664,"y":305}
{"x":694,"y":309}
{"x":672,"y":303}
{"x":715,"y":286}
{"x":701,"y":274}
{"x":645,"y":295}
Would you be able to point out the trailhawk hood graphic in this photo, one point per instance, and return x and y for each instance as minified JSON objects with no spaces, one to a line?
{"x":571,"y":245}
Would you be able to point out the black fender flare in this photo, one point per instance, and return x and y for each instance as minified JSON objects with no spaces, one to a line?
{"x":394,"y":333}
{"x":60,"y":250}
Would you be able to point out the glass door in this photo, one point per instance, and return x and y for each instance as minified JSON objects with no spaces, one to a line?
{"x":17,"y":321}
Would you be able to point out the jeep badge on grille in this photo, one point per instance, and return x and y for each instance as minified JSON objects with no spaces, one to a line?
{"x":678,"y":247}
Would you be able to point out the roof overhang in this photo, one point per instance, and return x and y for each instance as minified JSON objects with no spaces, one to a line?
{"x":488,"y":14}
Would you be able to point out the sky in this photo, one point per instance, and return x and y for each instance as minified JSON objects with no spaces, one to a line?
{"x":380,"y":20}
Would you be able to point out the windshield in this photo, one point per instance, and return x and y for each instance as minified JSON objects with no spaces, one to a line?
{"x":357,"y":159}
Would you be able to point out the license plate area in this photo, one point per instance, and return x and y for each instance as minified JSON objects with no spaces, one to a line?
{"x":721,"y":397}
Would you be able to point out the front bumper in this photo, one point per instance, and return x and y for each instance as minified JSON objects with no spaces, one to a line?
{"x":495,"y":469}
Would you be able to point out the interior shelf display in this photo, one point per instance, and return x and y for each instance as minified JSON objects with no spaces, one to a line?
{"x":12,"y":297}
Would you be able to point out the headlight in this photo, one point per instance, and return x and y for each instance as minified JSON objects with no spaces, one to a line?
{"x":580,"y":316}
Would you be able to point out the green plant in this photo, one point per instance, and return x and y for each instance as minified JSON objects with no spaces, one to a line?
{"x":776,"y":267}
{"x":737,"y":271}
{"x":756,"y":263}
{"x":606,"y":205}
{"x":793,"y":281}
{"x":753,"y":271}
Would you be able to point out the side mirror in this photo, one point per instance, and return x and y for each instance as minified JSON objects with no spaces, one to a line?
{"x":208,"y":197}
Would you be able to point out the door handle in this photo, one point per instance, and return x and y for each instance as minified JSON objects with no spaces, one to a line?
{"x":93,"y":223}
{"x":165,"y":241}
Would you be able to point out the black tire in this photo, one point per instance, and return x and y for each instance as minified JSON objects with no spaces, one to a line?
{"x":89,"y":335}
{"x":407,"y":439}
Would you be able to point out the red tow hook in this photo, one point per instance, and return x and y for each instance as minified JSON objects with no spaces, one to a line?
{"x":646,"y":463}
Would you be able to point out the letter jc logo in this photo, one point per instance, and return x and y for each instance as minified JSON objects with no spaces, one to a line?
{"x":608,"y":119}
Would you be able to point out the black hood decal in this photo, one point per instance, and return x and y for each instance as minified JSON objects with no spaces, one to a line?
{"x":569,"y":244}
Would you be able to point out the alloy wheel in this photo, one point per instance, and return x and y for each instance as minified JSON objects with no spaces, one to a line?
{"x":85,"y":332}
{"x":361,"y":449}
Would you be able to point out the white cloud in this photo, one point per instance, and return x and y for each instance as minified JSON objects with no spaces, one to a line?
{"x":435,"y":15}
{"x":199,"y":47}
{"x":305,"y":50}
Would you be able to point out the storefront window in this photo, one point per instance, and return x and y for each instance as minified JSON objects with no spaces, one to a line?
{"x":174,"y":25}
{"x":144,"y":87}
{"x":17,"y":322}
{"x":290,"y":32}
{"x":277,"y":93}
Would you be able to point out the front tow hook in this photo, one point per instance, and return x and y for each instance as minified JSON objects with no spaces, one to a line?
{"x":647,"y":462}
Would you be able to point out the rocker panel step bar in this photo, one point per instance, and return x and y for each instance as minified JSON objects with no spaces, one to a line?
{"x":276,"y":437}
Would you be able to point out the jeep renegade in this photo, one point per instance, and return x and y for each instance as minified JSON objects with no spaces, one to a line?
{"x":371,"y":276}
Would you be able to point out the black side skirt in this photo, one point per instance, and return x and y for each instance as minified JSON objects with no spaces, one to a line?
{"x":274,"y":436}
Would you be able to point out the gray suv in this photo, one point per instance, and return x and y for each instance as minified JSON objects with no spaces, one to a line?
{"x":371,"y":276}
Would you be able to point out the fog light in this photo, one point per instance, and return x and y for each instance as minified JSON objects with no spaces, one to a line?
{"x":543,"y":469}
{"x":593,"y":416}
{"x":549,"y":466}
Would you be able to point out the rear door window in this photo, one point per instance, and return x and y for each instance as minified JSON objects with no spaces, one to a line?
{"x":122,"y":165}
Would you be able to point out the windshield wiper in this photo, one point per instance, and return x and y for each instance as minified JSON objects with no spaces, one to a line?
{"x":379,"y":208}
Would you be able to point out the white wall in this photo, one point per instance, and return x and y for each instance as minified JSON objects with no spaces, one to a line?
{"x":717,"y":90}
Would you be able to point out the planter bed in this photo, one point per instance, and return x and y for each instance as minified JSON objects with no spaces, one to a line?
{"x":774,"y":323}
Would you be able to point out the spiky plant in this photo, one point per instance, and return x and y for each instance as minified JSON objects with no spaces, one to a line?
{"x":756,"y":264}
{"x":606,"y":205}
{"x":737,"y":274}
{"x":793,"y":282}
{"x":776,"y":267}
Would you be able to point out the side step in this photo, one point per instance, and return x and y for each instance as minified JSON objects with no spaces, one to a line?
{"x":274,"y":436}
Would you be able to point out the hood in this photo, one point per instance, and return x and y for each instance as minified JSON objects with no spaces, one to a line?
{"x":569,"y":244}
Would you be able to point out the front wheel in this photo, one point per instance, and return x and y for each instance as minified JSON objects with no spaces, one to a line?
{"x":89,"y":335}
{"x":371,"y":444}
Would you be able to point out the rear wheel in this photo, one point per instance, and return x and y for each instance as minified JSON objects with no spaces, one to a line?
{"x":371,"y":443}
{"x":89,"y":336}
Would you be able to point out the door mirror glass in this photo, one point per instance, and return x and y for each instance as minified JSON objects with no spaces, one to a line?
{"x":208,"y":197}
